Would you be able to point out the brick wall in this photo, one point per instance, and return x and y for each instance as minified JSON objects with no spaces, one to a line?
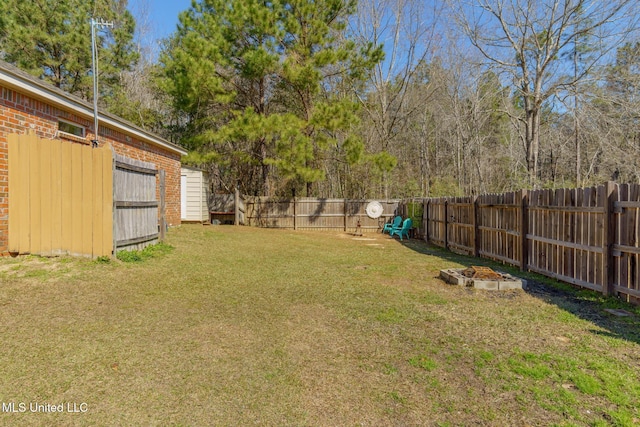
{"x":21,"y":114}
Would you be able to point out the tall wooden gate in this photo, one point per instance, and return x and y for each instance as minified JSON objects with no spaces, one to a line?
{"x":139,"y":217}
{"x":60,"y":197}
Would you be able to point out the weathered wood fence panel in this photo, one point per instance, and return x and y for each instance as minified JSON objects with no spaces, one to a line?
{"x":239,"y":209}
{"x":269,"y":213}
{"x":498,"y":227}
{"x":626,"y":248}
{"x":315,"y":214}
{"x":435,"y":215}
{"x":136,"y":208}
{"x":60,"y":197}
{"x":566,"y":235}
{"x":319,"y":214}
{"x":460,"y":216}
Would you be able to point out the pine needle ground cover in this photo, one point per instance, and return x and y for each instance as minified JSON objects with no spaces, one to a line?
{"x":244,"y":326}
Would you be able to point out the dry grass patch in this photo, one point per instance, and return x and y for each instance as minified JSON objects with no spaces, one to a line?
{"x":242,"y":326}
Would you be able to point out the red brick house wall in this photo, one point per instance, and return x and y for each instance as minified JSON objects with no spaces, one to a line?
{"x":29,"y":105}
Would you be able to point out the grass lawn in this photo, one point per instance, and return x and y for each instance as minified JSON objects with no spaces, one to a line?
{"x":243,"y":326}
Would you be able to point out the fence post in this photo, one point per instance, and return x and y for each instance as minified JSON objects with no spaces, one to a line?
{"x":295,"y":212}
{"x":236,"y":207}
{"x":344,"y":211}
{"x":446,"y":224}
{"x":610,"y":224}
{"x":115,"y":209}
{"x":476,"y":228}
{"x":425,"y":219}
{"x":163,"y":209}
{"x":523,"y":225}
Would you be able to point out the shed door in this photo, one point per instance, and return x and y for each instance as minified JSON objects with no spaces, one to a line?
{"x":183,"y":196}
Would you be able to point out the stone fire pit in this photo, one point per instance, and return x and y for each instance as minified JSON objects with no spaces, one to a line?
{"x":482,"y":278}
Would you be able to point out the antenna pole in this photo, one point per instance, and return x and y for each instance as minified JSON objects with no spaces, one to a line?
{"x":94,"y":70}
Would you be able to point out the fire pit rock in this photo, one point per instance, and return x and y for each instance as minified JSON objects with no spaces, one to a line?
{"x":482,"y":278}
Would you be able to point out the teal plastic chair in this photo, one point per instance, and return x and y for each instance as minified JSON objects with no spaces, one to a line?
{"x":402,"y":231}
{"x":391,"y":225}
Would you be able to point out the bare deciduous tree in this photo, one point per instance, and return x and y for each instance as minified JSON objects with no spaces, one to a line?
{"x":408,"y":31}
{"x":526,"y":39}
{"x":141,"y":102}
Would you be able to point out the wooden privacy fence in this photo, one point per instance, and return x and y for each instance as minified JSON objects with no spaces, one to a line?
{"x":135,"y":206}
{"x":60,"y":197}
{"x":239,"y":210}
{"x":589,"y":237}
{"x":315,"y":214}
{"x":226,"y":206}
{"x":69,"y":198}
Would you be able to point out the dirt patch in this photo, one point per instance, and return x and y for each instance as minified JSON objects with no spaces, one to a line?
{"x":37,"y":268}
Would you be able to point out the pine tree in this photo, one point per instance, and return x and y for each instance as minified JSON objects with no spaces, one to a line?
{"x":252,"y":83}
{"x":52,"y":40}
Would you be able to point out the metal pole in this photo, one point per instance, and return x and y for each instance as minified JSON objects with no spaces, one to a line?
{"x":94,"y":70}
{"x":95,"y":82}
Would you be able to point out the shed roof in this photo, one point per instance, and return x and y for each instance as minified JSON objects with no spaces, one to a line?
{"x":17,"y":79}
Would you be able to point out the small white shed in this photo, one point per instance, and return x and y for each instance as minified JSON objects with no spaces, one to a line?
{"x":194,"y":195}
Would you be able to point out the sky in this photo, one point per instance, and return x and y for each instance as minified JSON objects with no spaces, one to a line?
{"x":163,"y":14}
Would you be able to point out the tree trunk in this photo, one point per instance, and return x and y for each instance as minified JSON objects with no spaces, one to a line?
{"x":266,"y":188}
{"x":578,"y":153}
{"x":532,"y":142}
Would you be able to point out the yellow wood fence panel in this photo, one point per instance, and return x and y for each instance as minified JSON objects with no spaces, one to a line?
{"x":76,"y":195}
{"x":66,"y":183}
{"x":60,"y":197}
{"x":35,"y":211}
{"x":45,"y":199}
{"x":86,"y":242}
{"x":56,"y":197}
{"x":14,"y":177}
{"x":107,"y":203}
{"x":96,"y":208}
{"x":24,"y":235}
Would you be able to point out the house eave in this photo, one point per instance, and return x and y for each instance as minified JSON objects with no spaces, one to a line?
{"x":18,"y":80}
